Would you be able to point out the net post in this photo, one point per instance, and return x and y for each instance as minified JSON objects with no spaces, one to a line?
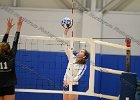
{"x":128,"y":53}
{"x":128,"y":86}
{"x":92,"y":70}
{"x":71,"y":62}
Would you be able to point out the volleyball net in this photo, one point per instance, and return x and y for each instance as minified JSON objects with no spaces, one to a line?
{"x":41,"y":64}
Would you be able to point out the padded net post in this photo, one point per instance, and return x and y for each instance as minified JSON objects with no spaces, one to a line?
{"x":128,"y":86}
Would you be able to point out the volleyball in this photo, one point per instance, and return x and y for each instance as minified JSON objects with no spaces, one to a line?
{"x":66,"y":22}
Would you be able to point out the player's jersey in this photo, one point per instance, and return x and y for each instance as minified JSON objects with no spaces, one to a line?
{"x":7,"y":63}
{"x":77,"y":71}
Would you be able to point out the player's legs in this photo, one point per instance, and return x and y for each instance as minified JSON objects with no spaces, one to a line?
{"x":73,"y":97}
{"x":9,"y":97}
{"x":70,"y":97}
{"x":1,"y":94}
{"x":8,"y":93}
{"x":1,"y":98}
{"x":65,"y":96}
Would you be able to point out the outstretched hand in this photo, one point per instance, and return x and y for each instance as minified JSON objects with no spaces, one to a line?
{"x":65,"y":84}
{"x":19,"y":23}
{"x":9,"y":25}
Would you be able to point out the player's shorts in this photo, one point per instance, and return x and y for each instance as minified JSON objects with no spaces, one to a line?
{"x":74,"y":88}
{"x":7,"y":90}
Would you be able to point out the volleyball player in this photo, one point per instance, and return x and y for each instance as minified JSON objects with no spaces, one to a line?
{"x":7,"y":62}
{"x":79,"y":67}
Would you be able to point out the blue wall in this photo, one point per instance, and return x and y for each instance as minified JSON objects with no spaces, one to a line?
{"x":45,"y":70}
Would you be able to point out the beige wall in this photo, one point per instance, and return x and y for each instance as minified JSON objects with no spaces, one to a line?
{"x":52,"y":4}
{"x":56,"y":4}
{"x":41,"y":3}
{"x":130,"y":5}
{"x":6,"y":2}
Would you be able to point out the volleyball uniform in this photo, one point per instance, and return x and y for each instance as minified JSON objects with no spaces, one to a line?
{"x":77,"y":71}
{"x":7,"y":65}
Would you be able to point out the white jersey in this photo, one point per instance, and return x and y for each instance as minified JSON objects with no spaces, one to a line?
{"x":77,"y":71}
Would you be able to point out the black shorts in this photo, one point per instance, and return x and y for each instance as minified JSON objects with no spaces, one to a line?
{"x":7,"y":90}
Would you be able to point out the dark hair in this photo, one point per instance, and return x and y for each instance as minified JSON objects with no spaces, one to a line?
{"x":86,"y":54}
{"x":4,"y":48}
{"x":84,"y":60}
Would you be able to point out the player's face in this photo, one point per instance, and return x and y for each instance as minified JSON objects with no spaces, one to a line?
{"x":80,"y":54}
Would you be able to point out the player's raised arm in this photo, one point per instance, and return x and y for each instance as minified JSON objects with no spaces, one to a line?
{"x":10,"y":24}
{"x":67,"y":24}
{"x":16,"y":38}
{"x":66,"y":48}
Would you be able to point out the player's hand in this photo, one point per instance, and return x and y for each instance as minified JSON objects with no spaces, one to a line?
{"x":71,"y":24}
{"x":19,"y":23}
{"x":65,"y":84}
{"x":9,"y":25}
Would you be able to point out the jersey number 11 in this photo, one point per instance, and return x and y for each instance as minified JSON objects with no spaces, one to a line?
{"x":3,"y":65}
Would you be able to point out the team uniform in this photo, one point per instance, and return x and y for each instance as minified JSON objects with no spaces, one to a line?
{"x":7,"y":68}
{"x":77,"y":72}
